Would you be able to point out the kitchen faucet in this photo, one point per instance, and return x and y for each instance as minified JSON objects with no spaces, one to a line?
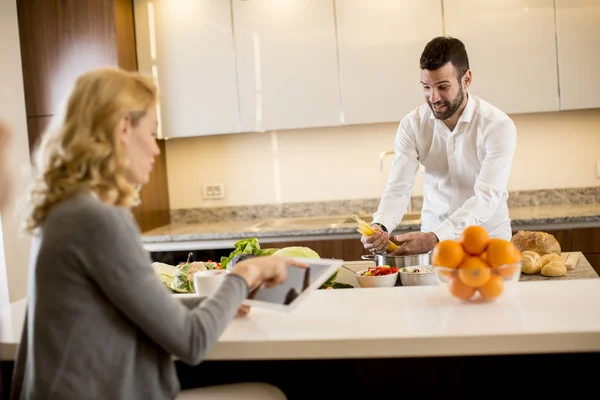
{"x":382,"y":155}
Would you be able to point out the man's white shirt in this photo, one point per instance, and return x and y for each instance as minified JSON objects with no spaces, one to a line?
{"x":465,"y":171}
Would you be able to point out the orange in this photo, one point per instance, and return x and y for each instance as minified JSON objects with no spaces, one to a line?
{"x":473,"y":272}
{"x":474,"y":239}
{"x":483,"y":256}
{"x":447,"y":253}
{"x":501,"y":252}
{"x":493,"y":288}
{"x":459,"y":289}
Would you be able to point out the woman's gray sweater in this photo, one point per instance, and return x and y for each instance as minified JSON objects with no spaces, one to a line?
{"x":100,"y":324}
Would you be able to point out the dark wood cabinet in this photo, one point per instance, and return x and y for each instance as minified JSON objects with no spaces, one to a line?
{"x":586,"y":240}
{"x":62,"y":39}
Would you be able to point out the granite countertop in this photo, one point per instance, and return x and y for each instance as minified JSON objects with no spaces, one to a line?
{"x":315,"y":226}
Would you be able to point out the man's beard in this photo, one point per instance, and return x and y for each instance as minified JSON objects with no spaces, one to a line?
{"x":451,"y":107}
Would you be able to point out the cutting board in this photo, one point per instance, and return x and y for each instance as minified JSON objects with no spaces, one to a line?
{"x":570,"y":260}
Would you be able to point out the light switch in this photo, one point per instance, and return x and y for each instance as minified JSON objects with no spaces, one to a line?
{"x":213,"y":191}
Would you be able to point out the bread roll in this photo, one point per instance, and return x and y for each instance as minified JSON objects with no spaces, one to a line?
{"x":532,"y":262}
{"x":554,"y":268}
{"x":550,"y":257}
{"x":541,"y":242}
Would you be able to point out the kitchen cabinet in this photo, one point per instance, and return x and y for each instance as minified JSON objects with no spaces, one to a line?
{"x":512,"y":51}
{"x":286,"y":64}
{"x":60,"y":40}
{"x":380,"y":43}
{"x":578,"y":44}
{"x":188,"y":47}
{"x":587,"y":240}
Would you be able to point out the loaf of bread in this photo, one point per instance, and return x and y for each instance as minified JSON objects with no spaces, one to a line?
{"x":540,"y":242}
{"x":554,"y":268}
{"x":532,"y":262}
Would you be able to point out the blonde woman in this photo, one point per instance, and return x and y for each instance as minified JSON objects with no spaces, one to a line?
{"x":99,"y":324}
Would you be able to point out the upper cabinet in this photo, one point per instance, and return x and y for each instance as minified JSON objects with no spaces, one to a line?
{"x":188,"y":47}
{"x":380,"y":43}
{"x":286,"y":64}
{"x":578,"y":33}
{"x":229,"y":66}
{"x":512,"y":51}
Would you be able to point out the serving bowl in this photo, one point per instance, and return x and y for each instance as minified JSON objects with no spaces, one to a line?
{"x":421,"y":275}
{"x":479,"y":285}
{"x":388,"y":280}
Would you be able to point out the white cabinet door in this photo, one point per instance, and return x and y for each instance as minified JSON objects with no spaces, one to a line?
{"x":512,"y":51}
{"x":578,"y":33}
{"x":191,"y":52}
{"x":287,"y":64}
{"x":380,"y":43}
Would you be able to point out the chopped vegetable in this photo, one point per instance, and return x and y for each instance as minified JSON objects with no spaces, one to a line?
{"x":380,"y":271}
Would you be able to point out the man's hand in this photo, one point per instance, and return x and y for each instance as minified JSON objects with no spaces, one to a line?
{"x":377,"y":242}
{"x":415,"y":243}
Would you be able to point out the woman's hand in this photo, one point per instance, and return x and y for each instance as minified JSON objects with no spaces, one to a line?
{"x":268,"y":270}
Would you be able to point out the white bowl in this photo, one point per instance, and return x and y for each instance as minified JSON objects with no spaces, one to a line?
{"x":418,"y":278}
{"x":376,"y":281}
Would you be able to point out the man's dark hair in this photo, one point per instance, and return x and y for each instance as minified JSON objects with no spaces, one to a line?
{"x":441,"y":50}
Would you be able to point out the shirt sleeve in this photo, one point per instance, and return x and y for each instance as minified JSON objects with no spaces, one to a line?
{"x":115,"y":260}
{"x":490,"y":185}
{"x":394,"y":202}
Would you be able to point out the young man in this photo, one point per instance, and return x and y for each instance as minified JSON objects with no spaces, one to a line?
{"x":466,"y":148}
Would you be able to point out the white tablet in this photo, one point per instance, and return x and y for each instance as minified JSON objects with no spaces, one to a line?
{"x":300,"y":282}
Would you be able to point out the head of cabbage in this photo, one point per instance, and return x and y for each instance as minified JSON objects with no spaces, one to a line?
{"x":297,"y":251}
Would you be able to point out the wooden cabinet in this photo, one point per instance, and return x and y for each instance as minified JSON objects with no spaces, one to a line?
{"x":512,"y":51}
{"x":188,"y":47}
{"x":379,"y":44}
{"x":286,"y":63}
{"x":578,"y":41}
{"x":60,"y":40}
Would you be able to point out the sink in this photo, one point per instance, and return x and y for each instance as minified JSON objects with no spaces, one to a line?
{"x":339,"y":221}
{"x":307,"y":222}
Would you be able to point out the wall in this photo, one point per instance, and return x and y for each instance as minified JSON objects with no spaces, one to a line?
{"x":14,"y":247}
{"x":555,"y":150}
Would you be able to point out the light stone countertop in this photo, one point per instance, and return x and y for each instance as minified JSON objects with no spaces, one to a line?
{"x":228,"y":232}
{"x":419,"y":321}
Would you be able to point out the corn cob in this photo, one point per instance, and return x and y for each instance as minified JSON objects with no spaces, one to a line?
{"x":365,"y":229}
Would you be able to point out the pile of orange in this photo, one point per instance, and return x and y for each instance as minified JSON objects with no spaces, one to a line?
{"x":477,"y":263}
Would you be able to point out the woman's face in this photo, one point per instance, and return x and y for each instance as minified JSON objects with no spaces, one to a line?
{"x":140,"y":141}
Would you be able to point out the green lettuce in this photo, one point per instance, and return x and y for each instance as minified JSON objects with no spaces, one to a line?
{"x":244,"y":246}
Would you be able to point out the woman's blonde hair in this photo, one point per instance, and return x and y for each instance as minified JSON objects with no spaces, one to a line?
{"x":84,"y":152}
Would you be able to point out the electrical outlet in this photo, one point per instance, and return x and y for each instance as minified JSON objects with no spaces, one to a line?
{"x":213,"y":191}
{"x":598,"y":169}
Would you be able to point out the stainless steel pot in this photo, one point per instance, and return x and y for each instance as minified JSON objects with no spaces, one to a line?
{"x":399,"y":261}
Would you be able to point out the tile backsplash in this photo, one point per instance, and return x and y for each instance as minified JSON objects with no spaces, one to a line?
{"x":555,"y":150}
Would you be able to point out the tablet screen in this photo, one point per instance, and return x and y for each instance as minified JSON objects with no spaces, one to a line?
{"x":299,"y":282}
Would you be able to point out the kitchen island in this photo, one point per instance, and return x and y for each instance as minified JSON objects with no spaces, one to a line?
{"x":355,"y":336}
